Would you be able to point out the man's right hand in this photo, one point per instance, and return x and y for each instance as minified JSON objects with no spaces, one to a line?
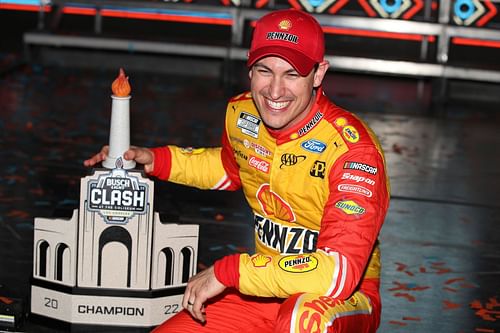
{"x":141,"y":155}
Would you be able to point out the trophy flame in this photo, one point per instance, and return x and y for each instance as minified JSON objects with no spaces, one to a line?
{"x":119,"y":134}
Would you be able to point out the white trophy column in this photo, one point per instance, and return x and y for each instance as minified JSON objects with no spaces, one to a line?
{"x":119,"y":135}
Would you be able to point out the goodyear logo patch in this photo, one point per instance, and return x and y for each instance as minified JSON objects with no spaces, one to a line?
{"x":350,"y":207}
{"x":298,"y":263}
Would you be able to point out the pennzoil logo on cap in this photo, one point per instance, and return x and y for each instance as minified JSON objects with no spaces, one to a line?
{"x":285,"y":25}
{"x":283,"y":36}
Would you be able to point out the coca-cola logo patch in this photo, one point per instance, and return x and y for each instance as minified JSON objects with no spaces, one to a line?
{"x":259,"y":164}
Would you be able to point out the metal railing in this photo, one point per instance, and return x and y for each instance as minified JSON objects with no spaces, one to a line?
{"x":235,"y":49}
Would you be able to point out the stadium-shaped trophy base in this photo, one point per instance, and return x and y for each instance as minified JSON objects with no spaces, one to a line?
{"x":75,"y":308}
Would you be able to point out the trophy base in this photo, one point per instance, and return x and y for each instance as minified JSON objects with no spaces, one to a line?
{"x":75,"y":307}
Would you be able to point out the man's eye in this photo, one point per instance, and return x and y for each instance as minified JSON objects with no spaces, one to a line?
{"x":293,"y":75}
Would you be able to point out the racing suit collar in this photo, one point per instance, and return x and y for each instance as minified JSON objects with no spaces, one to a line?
{"x":296,"y":131}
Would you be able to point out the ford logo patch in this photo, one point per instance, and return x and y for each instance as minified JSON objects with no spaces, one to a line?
{"x":313,"y":145}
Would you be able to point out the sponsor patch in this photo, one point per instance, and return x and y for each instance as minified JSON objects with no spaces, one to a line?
{"x":258,"y":148}
{"x":310,"y":125}
{"x":240,"y":154}
{"x":318,"y":169}
{"x":259,"y":164}
{"x":285,"y":239}
{"x":350,"y":133}
{"x":274,"y":205}
{"x":298,"y":264}
{"x":260,"y":260}
{"x":361,"y":167}
{"x":341,"y":122}
{"x":291,"y":159}
{"x":312,"y":311}
{"x":314,"y":146}
{"x":249,"y":124}
{"x":350,"y":207}
{"x":284,"y":36}
{"x":355,"y":189}
{"x":358,"y":179}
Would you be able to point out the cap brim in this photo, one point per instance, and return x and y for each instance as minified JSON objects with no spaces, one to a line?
{"x":302,"y":63}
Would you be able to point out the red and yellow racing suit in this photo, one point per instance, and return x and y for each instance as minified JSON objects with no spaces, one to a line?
{"x":319,"y":193}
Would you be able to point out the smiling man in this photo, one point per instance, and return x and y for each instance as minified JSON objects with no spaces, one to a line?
{"x":314,"y":176}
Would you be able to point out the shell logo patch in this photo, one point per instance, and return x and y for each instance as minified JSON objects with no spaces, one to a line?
{"x":273,"y":205}
{"x":298,"y":263}
{"x":350,"y":133}
{"x":261,"y":260}
{"x":341,"y":122}
{"x":350,"y":207}
{"x":285,"y":25}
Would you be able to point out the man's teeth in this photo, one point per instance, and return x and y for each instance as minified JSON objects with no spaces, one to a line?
{"x":277,"y":105}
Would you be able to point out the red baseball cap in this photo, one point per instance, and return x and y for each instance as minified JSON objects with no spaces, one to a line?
{"x":290,"y":34}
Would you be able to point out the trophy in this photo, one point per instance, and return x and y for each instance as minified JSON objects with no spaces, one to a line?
{"x":113,"y":263}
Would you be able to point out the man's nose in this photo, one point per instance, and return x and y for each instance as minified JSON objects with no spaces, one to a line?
{"x":276,"y":88}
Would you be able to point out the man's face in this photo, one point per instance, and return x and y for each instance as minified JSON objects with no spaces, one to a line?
{"x":283,"y":97}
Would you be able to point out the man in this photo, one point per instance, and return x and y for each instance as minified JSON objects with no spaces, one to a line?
{"x":313,"y":174}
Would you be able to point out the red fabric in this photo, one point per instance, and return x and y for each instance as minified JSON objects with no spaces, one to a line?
{"x":230,"y":312}
{"x":163,"y":162}
{"x":227,"y":270}
{"x":229,"y":163}
{"x":233,"y":312}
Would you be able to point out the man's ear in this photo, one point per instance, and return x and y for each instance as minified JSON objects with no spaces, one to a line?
{"x":320,"y":73}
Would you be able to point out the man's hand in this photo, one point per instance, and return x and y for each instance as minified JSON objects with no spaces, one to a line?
{"x":140,"y":155}
{"x":199,"y":289}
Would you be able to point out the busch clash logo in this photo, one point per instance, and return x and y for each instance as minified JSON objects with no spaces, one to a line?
{"x":117,"y":196}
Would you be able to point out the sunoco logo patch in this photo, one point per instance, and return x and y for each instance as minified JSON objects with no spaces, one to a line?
{"x":298,"y":264}
{"x":350,"y":207}
{"x":117,"y":196}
